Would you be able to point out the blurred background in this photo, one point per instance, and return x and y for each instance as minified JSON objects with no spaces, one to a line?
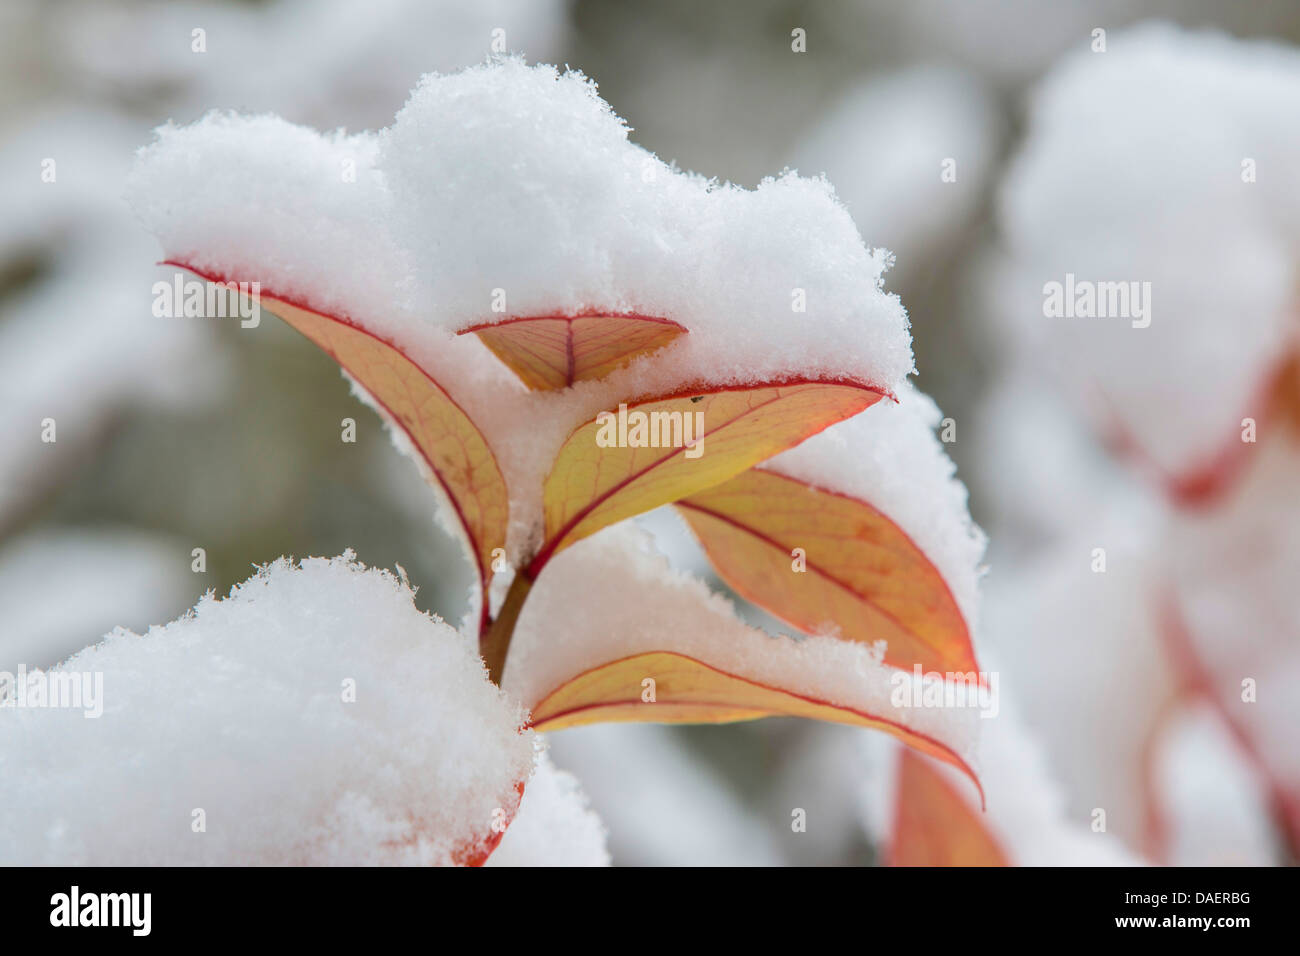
{"x":182,"y":434}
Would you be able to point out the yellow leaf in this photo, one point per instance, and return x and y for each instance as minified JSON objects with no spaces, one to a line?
{"x":457,"y":454}
{"x":934,"y":825}
{"x":860,"y":571}
{"x":591,"y":487}
{"x":686,"y":690}
{"x":551,"y":352}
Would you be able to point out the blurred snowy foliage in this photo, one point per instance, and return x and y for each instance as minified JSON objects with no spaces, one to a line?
{"x":181,"y":434}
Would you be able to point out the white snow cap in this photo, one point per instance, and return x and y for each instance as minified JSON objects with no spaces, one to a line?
{"x":513,"y":181}
{"x":1140,"y":163}
{"x":519,"y":178}
{"x":241,"y":710}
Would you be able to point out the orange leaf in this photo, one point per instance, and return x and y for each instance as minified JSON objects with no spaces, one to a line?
{"x":457,"y":454}
{"x":591,"y":487}
{"x":862,"y":572}
{"x":550,"y":352}
{"x":687,"y":690}
{"x":934,"y":825}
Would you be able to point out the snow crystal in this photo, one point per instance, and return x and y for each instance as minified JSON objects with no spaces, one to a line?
{"x":554,"y":826}
{"x":1135,"y":165}
{"x":244,"y":710}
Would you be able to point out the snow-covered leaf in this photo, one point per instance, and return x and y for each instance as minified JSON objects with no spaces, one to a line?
{"x":652,"y":644}
{"x":855,"y":570}
{"x":710,"y":435}
{"x":457,"y":455}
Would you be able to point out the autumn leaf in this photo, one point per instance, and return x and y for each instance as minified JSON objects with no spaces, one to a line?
{"x":596,"y":482}
{"x":552,"y":352}
{"x":655,"y":645}
{"x":861,"y":574}
{"x":457,"y":455}
{"x":690,"y":691}
{"x":933,"y":824}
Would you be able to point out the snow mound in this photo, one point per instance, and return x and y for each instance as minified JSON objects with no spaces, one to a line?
{"x":519,"y":178}
{"x":314,"y":716}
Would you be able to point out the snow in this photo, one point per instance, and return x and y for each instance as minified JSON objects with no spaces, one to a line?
{"x":1131,"y":170}
{"x":79,"y":344}
{"x":882,"y":144}
{"x":1041,"y":476}
{"x":325,"y":61}
{"x":1027,"y":813}
{"x":555,"y":825}
{"x":522,"y":179}
{"x":890,"y":457}
{"x":1234,"y":571}
{"x":817,"y":767}
{"x":239,"y":709}
{"x":664,"y":805}
{"x":1081,"y":653}
{"x":643,"y":604}
{"x":1213,"y":804}
{"x":60,"y":587}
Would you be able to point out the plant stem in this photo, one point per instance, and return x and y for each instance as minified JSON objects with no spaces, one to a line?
{"x":496,"y":642}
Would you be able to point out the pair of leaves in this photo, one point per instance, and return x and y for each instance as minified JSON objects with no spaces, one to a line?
{"x":866,"y":577}
{"x":863,"y":576}
{"x":589,"y":487}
